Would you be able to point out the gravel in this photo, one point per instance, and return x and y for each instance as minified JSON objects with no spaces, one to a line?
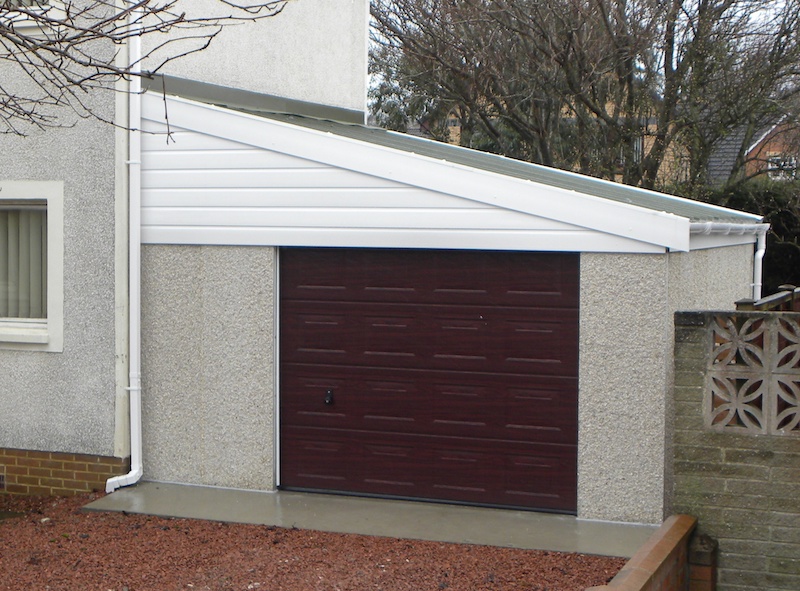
{"x":53,"y":545}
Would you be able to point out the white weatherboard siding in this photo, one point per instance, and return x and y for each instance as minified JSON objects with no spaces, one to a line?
{"x":199,"y":188}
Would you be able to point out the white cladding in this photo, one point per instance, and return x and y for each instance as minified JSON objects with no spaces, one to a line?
{"x":199,"y":186}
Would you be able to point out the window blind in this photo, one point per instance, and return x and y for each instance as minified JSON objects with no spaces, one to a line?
{"x":23,"y":261}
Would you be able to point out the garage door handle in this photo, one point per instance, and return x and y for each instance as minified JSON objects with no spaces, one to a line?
{"x":329,"y":397}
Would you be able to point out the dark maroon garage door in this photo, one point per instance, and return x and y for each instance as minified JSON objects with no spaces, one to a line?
{"x":447,"y":375}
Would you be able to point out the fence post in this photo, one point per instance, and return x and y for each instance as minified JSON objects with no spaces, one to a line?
{"x":703,"y":563}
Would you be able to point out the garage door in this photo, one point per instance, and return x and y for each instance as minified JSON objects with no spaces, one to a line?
{"x":442,"y":375}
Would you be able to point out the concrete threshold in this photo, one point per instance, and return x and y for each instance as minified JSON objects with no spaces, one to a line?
{"x":381,"y":517}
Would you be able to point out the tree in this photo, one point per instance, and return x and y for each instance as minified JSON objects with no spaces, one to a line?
{"x":620,"y":89}
{"x":779,"y":203}
{"x":55,"y":53}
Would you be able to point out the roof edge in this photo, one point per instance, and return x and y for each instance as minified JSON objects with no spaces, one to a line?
{"x":726,"y":228}
{"x":236,"y":98}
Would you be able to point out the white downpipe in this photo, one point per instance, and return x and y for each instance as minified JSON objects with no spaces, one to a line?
{"x":134,"y":252}
{"x":760,"y":230}
{"x":758,"y":261}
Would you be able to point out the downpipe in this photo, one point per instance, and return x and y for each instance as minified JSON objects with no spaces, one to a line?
{"x":760,"y":230}
{"x":134,"y":252}
{"x":758,"y":261}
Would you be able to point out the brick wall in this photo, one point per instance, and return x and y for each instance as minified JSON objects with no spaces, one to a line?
{"x":27,"y":472}
{"x":737,"y":442}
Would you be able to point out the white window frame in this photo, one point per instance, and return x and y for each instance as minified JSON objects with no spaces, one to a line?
{"x":40,"y":334}
{"x":54,"y":9}
{"x":781,"y":167}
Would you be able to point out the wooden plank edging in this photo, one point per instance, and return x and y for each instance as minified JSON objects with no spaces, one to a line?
{"x":649,"y":560}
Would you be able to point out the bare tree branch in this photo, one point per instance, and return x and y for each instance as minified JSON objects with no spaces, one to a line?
{"x":611,"y":88}
{"x":55,"y":53}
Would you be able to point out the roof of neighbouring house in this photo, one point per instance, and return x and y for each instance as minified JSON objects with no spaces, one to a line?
{"x":722,"y":161}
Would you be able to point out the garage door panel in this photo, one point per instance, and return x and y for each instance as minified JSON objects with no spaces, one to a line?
{"x":445,"y":403}
{"x":429,"y":276}
{"x":369,"y":463}
{"x":540,"y":481}
{"x":453,"y":468}
{"x":313,"y":454}
{"x":427,"y":337}
{"x":430,"y":374}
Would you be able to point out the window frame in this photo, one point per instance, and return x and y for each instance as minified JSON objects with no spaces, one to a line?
{"x":782,"y":167}
{"x":46,"y":334}
{"x":54,"y":9}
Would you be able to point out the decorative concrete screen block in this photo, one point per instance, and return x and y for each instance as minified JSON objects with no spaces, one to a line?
{"x":754,"y":374}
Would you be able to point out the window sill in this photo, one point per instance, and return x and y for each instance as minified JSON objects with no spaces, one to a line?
{"x":24,"y":332}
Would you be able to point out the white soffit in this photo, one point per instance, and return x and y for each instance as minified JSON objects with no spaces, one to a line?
{"x":656,"y":231}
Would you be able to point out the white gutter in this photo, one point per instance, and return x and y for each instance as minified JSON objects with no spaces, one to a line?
{"x":134,"y":252}
{"x":759,"y":230}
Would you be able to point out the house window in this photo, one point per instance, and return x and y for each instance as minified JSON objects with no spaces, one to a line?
{"x":781,"y":167}
{"x":23,"y":266}
{"x":31,"y":16}
{"x":31,"y":258}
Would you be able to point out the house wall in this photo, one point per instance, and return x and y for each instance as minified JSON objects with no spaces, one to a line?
{"x":783,"y":142}
{"x":74,"y":401}
{"x":65,"y":401}
{"x":312,"y":51}
{"x":627,"y":302}
{"x":208,"y":365}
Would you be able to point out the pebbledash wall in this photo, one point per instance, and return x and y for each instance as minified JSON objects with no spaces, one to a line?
{"x":208,"y":352}
{"x":66,"y":400}
{"x":210,"y":380}
{"x":626,"y":377}
{"x":737,"y":441}
{"x":311,"y":51}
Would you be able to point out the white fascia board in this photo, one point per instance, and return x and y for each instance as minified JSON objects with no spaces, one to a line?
{"x":587,"y":211}
{"x":397,"y":238}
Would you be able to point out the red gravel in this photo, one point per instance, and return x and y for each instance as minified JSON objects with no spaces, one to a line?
{"x":55,"y":546}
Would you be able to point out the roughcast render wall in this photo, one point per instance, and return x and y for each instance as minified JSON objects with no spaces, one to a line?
{"x":626,"y":328}
{"x":65,"y":401}
{"x":208,"y":365}
{"x":311,"y":51}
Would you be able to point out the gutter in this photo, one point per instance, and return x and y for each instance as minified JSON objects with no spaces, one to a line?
{"x":759,"y":230}
{"x":134,"y":252}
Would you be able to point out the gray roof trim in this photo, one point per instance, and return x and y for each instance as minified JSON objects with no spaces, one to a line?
{"x":243,"y":100}
{"x":349,"y":124}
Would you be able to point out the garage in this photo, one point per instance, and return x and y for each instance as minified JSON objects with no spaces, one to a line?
{"x":430,"y":374}
{"x":332,"y":307}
